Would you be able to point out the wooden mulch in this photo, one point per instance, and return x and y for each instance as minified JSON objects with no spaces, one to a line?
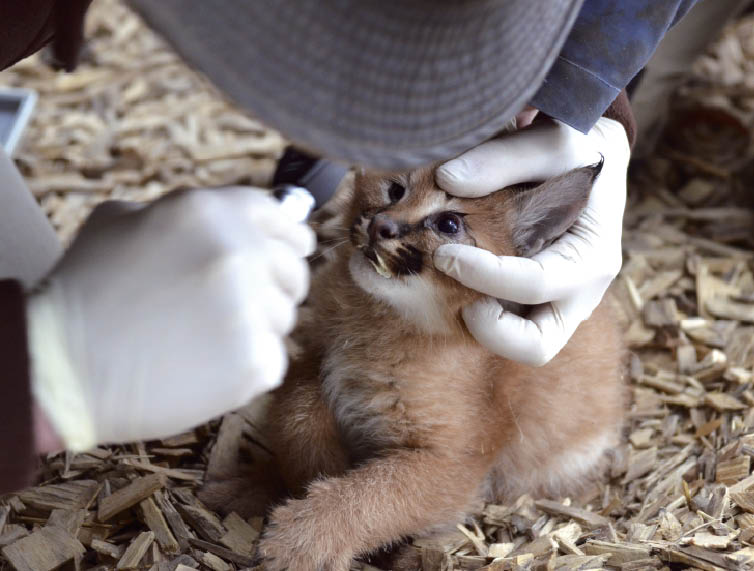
{"x":134,"y":123}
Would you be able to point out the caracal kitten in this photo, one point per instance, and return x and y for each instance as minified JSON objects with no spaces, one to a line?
{"x":394,"y":421}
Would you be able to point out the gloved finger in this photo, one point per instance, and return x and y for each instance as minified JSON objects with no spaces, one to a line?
{"x":265,"y":214}
{"x":249,"y":206}
{"x":279,"y":310}
{"x":533,"y":341}
{"x":537,"y":153}
{"x":267,"y":363}
{"x":297,"y":236}
{"x":524,"y":280}
{"x":296,"y":202}
{"x":301,"y":238}
{"x":289,"y":271}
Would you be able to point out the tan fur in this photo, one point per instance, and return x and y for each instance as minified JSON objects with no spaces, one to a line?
{"x":385,"y":429}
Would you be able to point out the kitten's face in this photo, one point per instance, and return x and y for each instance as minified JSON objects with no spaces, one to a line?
{"x":397,"y":223}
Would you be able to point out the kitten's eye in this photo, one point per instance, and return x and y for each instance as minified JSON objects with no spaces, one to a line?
{"x":395,"y":192}
{"x":449,"y":223}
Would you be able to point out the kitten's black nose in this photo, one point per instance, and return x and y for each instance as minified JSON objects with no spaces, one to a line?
{"x":382,"y":227}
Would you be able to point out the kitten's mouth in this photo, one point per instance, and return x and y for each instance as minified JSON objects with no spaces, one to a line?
{"x":377,"y":262}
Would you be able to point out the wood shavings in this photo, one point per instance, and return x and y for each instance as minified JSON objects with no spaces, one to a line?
{"x":224,"y":459}
{"x":498,"y":550}
{"x":640,"y":463}
{"x":223,"y":553}
{"x":45,"y":549}
{"x":107,"y":548}
{"x":723,"y":402}
{"x":203,"y":521}
{"x":154,"y":519}
{"x":136,"y":551}
{"x":71,"y":495}
{"x":582,"y":516}
{"x":733,"y":470}
{"x":129,"y":496}
{"x":712,"y":541}
{"x":618,"y":553}
{"x":240,"y":536}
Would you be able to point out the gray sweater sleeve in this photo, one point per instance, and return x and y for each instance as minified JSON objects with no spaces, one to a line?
{"x":611,"y":41}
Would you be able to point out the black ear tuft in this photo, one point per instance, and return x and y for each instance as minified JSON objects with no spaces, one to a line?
{"x":543,"y":214}
{"x":597,"y":167}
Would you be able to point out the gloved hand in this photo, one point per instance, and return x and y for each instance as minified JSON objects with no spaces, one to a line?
{"x":567,"y":280}
{"x":160,"y":317}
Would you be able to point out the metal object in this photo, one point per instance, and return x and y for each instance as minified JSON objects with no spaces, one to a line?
{"x":320,"y":177}
{"x":16,"y":106}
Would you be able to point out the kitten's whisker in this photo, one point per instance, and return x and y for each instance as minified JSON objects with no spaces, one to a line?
{"x":331,"y":241}
{"x":332,"y":228}
{"x":323,"y":228}
{"x":333,"y":246}
{"x":328,"y":250}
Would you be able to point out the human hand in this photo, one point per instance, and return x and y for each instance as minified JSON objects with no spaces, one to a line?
{"x":565,"y":281}
{"x":160,"y":317}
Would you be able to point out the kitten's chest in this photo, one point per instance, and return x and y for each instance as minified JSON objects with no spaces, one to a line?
{"x":368,"y":400}
{"x":399,"y":394}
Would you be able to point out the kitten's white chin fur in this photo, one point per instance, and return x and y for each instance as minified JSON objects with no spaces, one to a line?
{"x":414,"y":298}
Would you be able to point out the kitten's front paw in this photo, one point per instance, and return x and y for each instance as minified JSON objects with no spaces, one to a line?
{"x":297,"y":538}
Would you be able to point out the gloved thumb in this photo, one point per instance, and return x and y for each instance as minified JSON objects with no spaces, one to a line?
{"x":536,"y":153}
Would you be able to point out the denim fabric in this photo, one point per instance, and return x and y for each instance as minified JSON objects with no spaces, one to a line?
{"x":611,"y":41}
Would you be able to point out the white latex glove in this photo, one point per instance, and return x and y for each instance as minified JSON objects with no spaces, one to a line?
{"x":567,"y":280}
{"x":161,"y":317}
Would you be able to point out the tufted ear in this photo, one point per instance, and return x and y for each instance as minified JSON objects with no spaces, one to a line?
{"x":544,"y":213}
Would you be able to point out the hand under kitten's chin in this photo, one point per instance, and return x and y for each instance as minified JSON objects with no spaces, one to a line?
{"x":415,"y":298}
